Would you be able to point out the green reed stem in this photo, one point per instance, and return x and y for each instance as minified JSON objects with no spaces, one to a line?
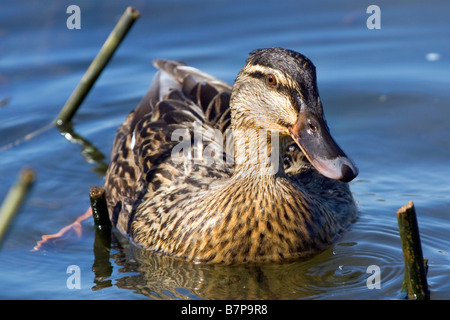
{"x":14,"y":199}
{"x":98,"y":64}
{"x":415,"y":280}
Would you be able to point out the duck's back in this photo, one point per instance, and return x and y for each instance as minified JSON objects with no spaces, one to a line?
{"x":184,"y":112}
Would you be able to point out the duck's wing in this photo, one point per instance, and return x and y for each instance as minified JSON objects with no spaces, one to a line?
{"x":180,"y":100}
{"x":204,"y":96}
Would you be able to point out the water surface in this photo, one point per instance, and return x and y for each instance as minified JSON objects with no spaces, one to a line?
{"x":386,"y":99}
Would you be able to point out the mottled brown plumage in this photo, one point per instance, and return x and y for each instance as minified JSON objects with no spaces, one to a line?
{"x":212,"y":173}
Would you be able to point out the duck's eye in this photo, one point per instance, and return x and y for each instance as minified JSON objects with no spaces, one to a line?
{"x":271,"y":80}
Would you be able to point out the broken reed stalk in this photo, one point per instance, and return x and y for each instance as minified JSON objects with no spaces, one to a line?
{"x":14,"y":199}
{"x":102,"y":244}
{"x":415,"y":281}
{"x":99,"y":207}
{"x":97,"y":65}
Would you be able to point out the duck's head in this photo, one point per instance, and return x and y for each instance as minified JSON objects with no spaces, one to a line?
{"x":276,"y":90}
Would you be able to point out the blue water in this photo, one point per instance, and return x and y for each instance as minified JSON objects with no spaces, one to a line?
{"x":386,"y":99}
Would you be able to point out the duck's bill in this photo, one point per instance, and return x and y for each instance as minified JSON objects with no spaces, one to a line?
{"x":313,"y":137}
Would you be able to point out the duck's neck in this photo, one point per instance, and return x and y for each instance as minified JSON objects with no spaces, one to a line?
{"x":257,"y":154}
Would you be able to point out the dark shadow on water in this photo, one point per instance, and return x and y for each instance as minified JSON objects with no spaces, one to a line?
{"x":89,"y":152}
{"x":102,"y":266}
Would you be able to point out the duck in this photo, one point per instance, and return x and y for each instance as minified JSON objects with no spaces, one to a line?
{"x":209,"y":172}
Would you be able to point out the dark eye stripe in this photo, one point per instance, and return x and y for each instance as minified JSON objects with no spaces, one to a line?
{"x":257,"y":74}
{"x":295,"y":96}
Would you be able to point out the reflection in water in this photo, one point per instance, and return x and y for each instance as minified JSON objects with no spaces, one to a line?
{"x":332,"y":273}
{"x":102,"y":268}
{"x":89,"y":152}
{"x":163,"y":277}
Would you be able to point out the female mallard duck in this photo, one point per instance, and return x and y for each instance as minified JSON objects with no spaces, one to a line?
{"x":175,"y":185}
